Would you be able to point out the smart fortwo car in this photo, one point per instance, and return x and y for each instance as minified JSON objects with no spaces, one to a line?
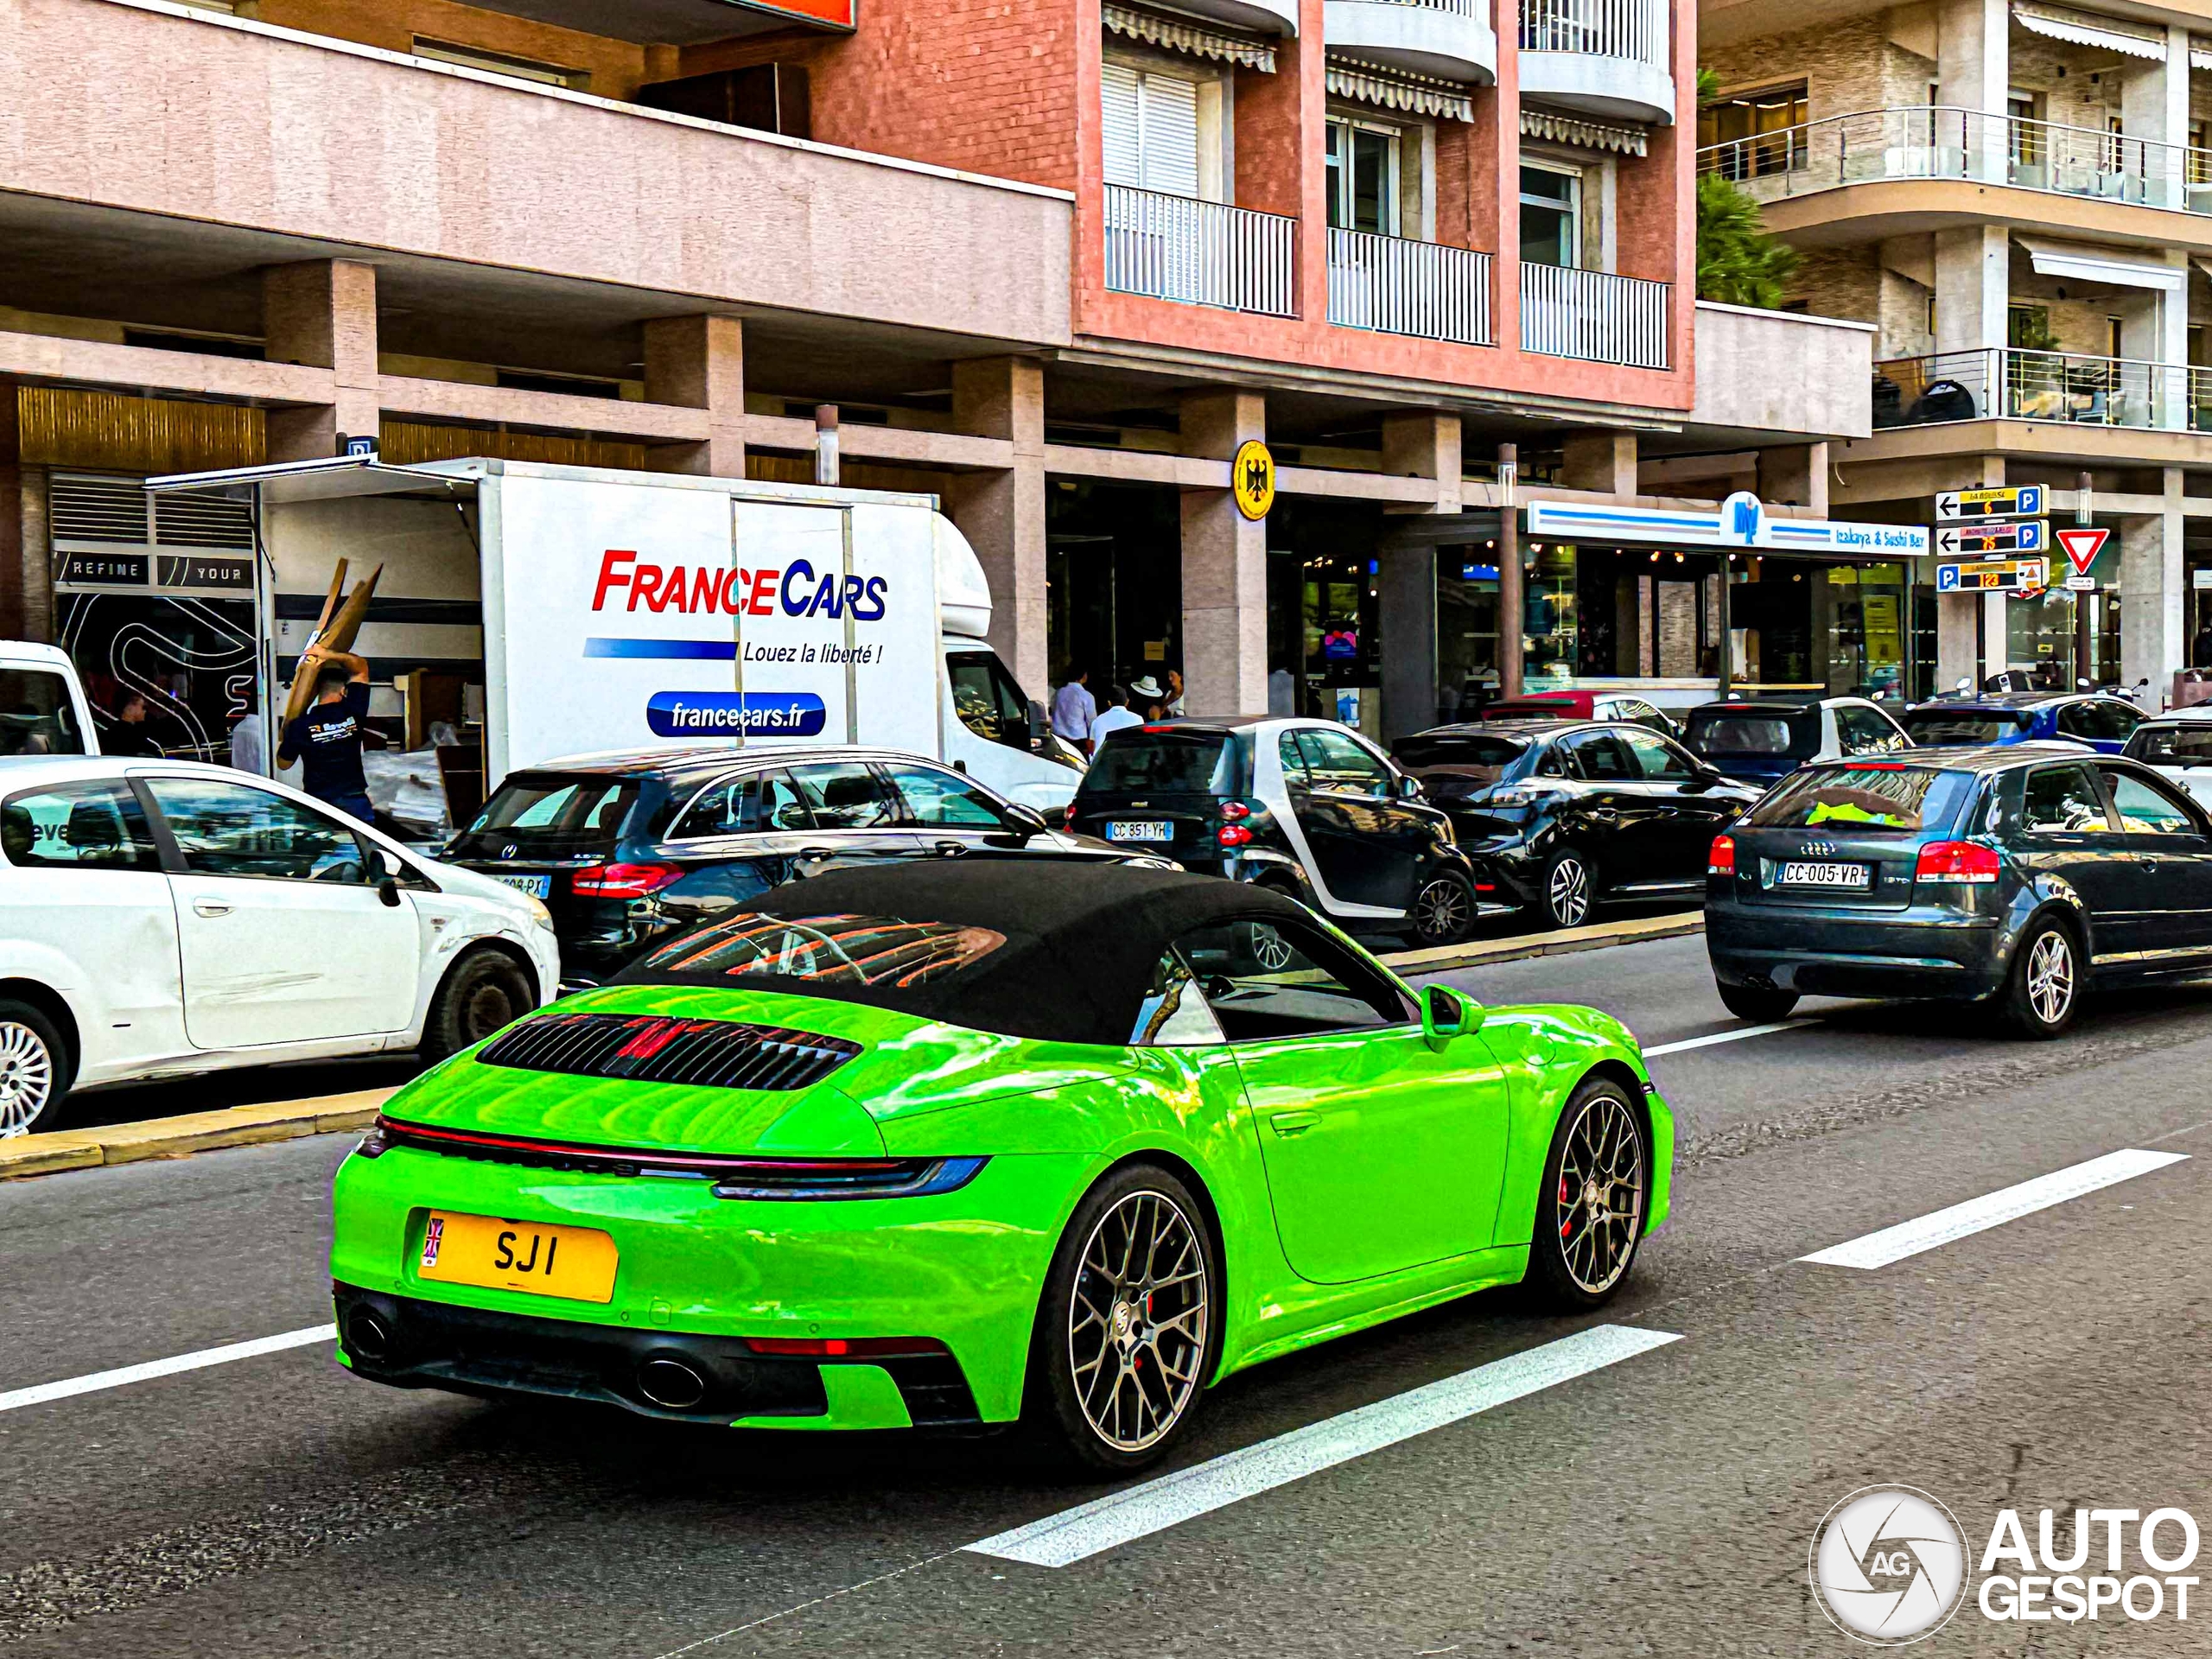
{"x":960,"y":1145}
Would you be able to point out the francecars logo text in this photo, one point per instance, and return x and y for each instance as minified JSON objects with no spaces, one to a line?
{"x":1888,"y":1564}
{"x":698,"y":589}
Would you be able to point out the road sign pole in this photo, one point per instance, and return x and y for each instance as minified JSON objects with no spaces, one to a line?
{"x":2082,"y":642}
{"x":1509,"y":647}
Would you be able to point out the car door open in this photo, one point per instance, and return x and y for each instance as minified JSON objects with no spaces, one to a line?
{"x":1381,"y":1151}
{"x":284,"y":936}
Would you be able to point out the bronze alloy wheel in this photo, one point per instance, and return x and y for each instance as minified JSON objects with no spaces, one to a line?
{"x":1137,"y":1320}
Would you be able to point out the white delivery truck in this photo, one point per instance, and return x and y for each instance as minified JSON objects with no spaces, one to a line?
{"x":42,"y":706}
{"x":622,"y":610}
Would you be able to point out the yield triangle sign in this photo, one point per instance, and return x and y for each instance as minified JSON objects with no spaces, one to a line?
{"x":2083,"y":547}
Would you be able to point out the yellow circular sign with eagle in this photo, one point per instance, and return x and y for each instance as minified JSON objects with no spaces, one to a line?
{"x":1252,"y":479}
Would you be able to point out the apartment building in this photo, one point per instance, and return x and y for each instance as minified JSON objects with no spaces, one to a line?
{"x":1056,"y":261}
{"x":2018,"y":196}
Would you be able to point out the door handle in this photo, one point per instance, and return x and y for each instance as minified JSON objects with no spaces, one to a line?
{"x":1291,"y":1123}
{"x":210,"y":907}
{"x":951,"y":848}
{"x":815,"y":855}
{"x":2150,"y":867}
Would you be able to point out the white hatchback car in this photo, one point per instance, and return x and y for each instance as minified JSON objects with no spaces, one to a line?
{"x":2179,"y":745}
{"x":164,"y":918}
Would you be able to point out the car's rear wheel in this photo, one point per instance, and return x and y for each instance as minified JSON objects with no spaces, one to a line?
{"x":1590,"y":1215}
{"x":1570,"y":890}
{"x":486,"y":989}
{"x":1760,"y":1004}
{"x":1129,"y":1328}
{"x":36,"y":1069}
{"x":1443,"y":910}
{"x":2044,"y":988}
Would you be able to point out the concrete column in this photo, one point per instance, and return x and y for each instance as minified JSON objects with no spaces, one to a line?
{"x":1224,"y":567}
{"x":15,"y":576}
{"x":2153,"y":645}
{"x":1416,"y":444}
{"x":2154,"y":107}
{"x":1974,"y":284}
{"x":699,"y":363}
{"x":1958,"y":616}
{"x":1796,"y":475}
{"x":1604,"y":461}
{"x":1973,"y":73}
{"x":323,"y":313}
{"x":1002,"y":514}
{"x":1419,"y":443}
{"x":1405,"y":594}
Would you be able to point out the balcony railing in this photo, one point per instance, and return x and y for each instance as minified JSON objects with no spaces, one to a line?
{"x":1938,"y":142}
{"x":1398,"y":286}
{"x":1200,"y":252}
{"x":1593,"y":315}
{"x":1634,"y":29}
{"x":2009,"y":384}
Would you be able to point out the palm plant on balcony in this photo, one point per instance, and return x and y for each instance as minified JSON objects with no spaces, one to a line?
{"x":1738,"y":263}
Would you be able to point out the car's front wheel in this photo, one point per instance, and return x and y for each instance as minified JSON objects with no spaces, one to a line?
{"x":486,"y":989}
{"x":1443,"y":910}
{"x":1590,"y":1215}
{"x":1570,"y":889}
{"x":35,"y":1067}
{"x":1129,"y":1326}
{"x":2045,"y":986}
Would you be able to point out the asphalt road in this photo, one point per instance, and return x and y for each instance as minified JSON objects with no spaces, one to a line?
{"x":1663,"y":1504}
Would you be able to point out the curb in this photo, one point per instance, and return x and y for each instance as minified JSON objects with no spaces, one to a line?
{"x":189,"y":1131}
{"x":288,"y":1119}
{"x":1565,"y":942}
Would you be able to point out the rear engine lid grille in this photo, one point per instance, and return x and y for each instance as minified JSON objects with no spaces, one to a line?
{"x":660,"y":1048}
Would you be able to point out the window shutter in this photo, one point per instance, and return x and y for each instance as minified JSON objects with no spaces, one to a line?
{"x":1171,"y":135}
{"x":1124,"y":140}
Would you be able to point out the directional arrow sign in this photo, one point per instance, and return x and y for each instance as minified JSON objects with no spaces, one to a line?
{"x":1996,"y":575}
{"x":1994,"y":536}
{"x":2015,"y":501}
{"x":2083,"y":547}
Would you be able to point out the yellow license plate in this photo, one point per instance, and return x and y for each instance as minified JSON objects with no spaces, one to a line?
{"x":538,"y":1257}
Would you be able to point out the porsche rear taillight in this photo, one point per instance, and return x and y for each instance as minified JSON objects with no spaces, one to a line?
{"x":1721,"y":861}
{"x":1967,"y":861}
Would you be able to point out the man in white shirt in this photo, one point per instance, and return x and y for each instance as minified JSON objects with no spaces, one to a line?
{"x":1074,"y":710}
{"x":248,"y":751}
{"x":1117,"y":715}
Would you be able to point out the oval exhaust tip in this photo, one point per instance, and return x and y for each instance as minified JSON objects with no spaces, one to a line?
{"x":366,"y":1336}
{"x":671,"y":1384}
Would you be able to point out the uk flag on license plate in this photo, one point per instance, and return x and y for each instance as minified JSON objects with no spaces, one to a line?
{"x":434,"y":1232}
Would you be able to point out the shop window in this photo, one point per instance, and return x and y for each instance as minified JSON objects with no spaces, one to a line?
{"x":1764,"y":132}
{"x":1551,"y":215}
{"x":1363,"y":162}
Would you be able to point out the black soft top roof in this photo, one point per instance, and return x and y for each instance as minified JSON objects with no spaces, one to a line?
{"x":1081,"y":940}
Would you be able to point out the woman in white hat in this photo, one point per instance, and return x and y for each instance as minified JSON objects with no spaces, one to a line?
{"x":1149,"y":694}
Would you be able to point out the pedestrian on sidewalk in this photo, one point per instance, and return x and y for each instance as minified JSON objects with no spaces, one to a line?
{"x":1146,"y":694}
{"x":326,"y":741}
{"x":1117,"y":715}
{"x":1074,"y":710}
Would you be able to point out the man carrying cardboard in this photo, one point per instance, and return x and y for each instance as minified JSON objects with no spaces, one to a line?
{"x":326,"y":741}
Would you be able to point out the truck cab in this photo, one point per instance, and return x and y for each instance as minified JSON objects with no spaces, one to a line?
{"x":42,"y":705}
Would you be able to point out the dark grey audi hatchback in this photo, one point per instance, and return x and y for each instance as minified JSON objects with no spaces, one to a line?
{"x":2015,"y":878}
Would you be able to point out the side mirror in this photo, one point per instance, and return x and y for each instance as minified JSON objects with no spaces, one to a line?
{"x":1024,"y":820}
{"x":1445,"y":1014}
{"x":1409,"y":789}
{"x":389,"y":870}
{"x":1037,"y":723}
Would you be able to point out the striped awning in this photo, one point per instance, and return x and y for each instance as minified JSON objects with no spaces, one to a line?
{"x":2091,"y":29}
{"x":1582,"y":133}
{"x":1399,"y":89}
{"x":1180,"y":34}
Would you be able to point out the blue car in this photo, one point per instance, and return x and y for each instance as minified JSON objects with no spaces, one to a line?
{"x":2097,"y":718}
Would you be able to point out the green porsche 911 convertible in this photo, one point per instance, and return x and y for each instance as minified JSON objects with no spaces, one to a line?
{"x":959,"y":1144}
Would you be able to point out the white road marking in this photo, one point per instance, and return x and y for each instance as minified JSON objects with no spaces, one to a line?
{"x":1735,"y":1036}
{"x":1059,"y":1540}
{"x":153,"y":1367}
{"x":1978,"y":1215}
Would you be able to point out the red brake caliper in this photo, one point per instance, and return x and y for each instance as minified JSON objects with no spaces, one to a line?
{"x":1566,"y":1221}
